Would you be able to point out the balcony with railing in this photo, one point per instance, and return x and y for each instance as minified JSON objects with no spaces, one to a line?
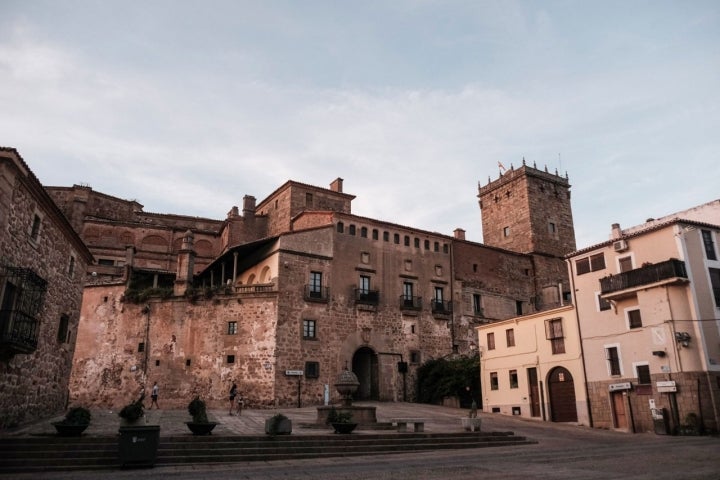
{"x":627,"y":283}
{"x":408,"y":302}
{"x":441,"y":307}
{"x":313,"y":293}
{"x":256,"y":288}
{"x":367,"y":297}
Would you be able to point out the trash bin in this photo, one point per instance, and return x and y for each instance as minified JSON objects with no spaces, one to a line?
{"x":138,"y":445}
{"x":660,"y":421}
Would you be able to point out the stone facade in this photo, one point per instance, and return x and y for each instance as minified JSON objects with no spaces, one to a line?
{"x":41,"y":279}
{"x":297,"y":283}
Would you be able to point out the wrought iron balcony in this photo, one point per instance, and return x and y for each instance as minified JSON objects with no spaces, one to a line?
{"x":18,"y":332}
{"x":672,"y":269}
{"x":313,"y":293}
{"x":441,"y":307}
{"x":367,"y":297}
{"x":410,"y":303}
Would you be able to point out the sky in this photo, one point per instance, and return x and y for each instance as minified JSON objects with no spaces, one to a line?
{"x":187,"y":106}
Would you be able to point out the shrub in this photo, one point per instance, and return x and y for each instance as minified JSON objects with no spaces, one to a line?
{"x":77,"y":416}
{"x":441,"y":378}
{"x":339,"y":417}
{"x":132,"y":411}
{"x":274,"y":423}
{"x":198,"y":410}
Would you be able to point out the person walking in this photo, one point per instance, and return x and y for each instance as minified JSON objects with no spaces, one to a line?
{"x":240,"y":404}
{"x":154,"y":396}
{"x":233,"y":394}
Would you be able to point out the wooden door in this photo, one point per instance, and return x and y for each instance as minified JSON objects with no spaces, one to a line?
{"x":618,"y":404}
{"x":534,"y":392}
{"x":561,"y":390}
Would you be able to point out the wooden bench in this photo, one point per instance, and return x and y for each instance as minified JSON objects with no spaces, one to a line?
{"x":402,"y":423}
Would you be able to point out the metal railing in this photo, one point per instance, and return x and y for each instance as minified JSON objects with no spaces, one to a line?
{"x":18,"y":331}
{"x":441,"y":306}
{"x":644,"y":275}
{"x":410,"y":302}
{"x":367,"y":297}
{"x":314,"y":293}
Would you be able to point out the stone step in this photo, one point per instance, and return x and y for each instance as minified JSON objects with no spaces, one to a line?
{"x":86,"y":453}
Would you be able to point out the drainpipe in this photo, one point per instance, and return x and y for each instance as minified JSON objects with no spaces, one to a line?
{"x":146,"y":311}
{"x":582,"y":353}
{"x":453,"y":348}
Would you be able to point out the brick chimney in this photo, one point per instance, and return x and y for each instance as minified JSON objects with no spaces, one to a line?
{"x":336,"y":185}
{"x":459,"y":234}
{"x":616,"y":231}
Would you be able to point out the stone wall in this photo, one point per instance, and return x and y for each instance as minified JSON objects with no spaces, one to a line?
{"x":35,"y":385}
{"x":186,"y":349}
{"x":697,"y":392}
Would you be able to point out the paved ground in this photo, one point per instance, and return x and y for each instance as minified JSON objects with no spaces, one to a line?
{"x":562,"y":452}
{"x":252,"y":422}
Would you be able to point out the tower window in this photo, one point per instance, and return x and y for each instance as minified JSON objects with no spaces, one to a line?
{"x":552,"y":228}
{"x":506,"y":232}
{"x":309,"y":329}
{"x":35,"y":229}
{"x":477,"y":304}
{"x":231,"y":359}
{"x":62,"y":335}
{"x":312,"y":369}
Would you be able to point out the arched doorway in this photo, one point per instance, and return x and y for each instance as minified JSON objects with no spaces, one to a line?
{"x":365,"y":367}
{"x":561,"y":390}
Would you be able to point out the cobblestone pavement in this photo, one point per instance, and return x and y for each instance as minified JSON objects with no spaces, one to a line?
{"x":563,"y":451}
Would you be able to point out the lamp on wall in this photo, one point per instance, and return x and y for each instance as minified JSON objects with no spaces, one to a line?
{"x":683,"y":338}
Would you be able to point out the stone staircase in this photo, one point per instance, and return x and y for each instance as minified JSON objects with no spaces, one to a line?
{"x":38,"y":454}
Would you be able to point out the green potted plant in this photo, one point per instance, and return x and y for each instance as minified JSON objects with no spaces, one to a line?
{"x":278,"y":424}
{"x":691,"y":425}
{"x":341,"y":421}
{"x":138,"y":441}
{"x":200,"y":424}
{"x":76,"y":420}
{"x":132,"y":413}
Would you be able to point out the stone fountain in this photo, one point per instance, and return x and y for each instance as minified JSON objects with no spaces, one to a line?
{"x":346,"y":384}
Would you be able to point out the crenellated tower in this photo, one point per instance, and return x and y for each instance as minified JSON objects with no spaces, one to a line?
{"x":528,"y":210}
